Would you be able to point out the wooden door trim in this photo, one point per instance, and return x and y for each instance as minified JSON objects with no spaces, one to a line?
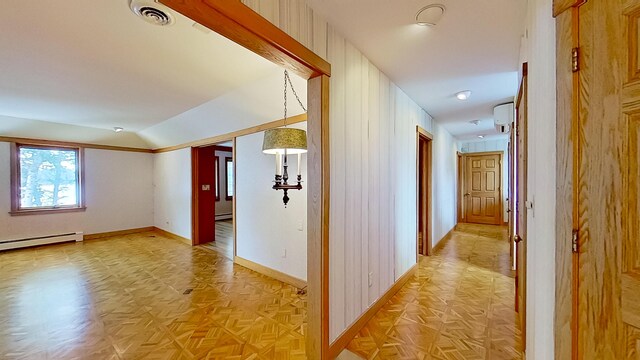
{"x":238,"y":23}
{"x":245,"y":27}
{"x":460,"y":186}
{"x":466,"y":157}
{"x":427,"y":241}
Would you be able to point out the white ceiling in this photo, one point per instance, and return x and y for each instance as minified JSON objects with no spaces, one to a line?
{"x":474,"y":47}
{"x":94,"y":63}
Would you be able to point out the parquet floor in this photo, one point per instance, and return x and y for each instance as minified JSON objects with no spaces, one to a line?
{"x":224,"y":238}
{"x":460,"y":305}
{"x":143,"y":296}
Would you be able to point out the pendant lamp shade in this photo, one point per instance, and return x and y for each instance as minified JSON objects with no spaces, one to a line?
{"x":277,"y":140}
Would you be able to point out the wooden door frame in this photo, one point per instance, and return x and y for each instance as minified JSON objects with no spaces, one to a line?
{"x":460,"y":186}
{"x":427,"y":187}
{"x":465,"y":158}
{"x":240,"y":24}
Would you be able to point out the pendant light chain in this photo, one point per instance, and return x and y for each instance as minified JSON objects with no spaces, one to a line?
{"x":287,"y":80}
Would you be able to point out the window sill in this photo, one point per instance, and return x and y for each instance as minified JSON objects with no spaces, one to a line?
{"x":46,"y":211}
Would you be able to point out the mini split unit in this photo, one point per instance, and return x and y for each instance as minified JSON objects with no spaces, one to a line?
{"x":503,"y":116}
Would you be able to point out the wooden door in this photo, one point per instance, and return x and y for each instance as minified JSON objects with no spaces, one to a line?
{"x":203,"y":202}
{"x":511,"y":200}
{"x":604,"y":186}
{"x":424,"y":191}
{"x":520,"y":193}
{"x":482,"y":184}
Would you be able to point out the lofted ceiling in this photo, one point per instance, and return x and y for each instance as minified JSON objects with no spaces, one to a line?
{"x":95,"y":64}
{"x":475,"y":46}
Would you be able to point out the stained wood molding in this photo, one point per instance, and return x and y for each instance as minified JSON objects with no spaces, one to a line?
{"x":118,"y":233}
{"x":272,"y":273}
{"x":171,"y":235}
{"x":343,"y":340}
{"x":238,"y":23}
{"x":43,"y":142}
{"x":232,"y":135}
{"x":444,"y":240}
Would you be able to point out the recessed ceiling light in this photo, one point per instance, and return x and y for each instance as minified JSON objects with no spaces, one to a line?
{"x":463,"y":95}
{"x":118,"y":129}
{"x":475,"y":122}
{"x":430,"y":15}
{"x":481,"y":136}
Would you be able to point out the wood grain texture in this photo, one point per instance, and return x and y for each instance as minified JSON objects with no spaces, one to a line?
{"x":272,"y":273}
{"x":560,"y":6}
{"x":317,"y":342}
{"x":458,"y":305}
{"x":240,"y":24}
{"x":232,"y":135}
{"x":604,"y":159}
{"x":171,"y":235}
{"x":143,"y":296}
{"x":521,"y":199}
{"x":117,"y":233}
{"x":347,"y":336}
{"x":565,"y":124}
{"x":483,"y":183}
{"x":71,"y":144}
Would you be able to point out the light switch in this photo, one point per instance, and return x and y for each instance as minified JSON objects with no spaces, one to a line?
{"x":206,"y":187}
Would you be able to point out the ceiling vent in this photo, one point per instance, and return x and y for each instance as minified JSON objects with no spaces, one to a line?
{"x":152,"y":12}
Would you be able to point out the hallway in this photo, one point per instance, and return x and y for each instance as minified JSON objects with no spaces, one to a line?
{"x":460,"y":305}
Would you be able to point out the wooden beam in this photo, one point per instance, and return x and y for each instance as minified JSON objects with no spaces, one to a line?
{"x":44,"y":142}
{"x":238,"y":23}
{"x":232,"y":135}
{"x":318,"y":218}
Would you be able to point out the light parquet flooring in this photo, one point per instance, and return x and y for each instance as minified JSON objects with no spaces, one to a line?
{"x":459,"y":305}
{"x":143,"y":296}
{"x":224,"y":238}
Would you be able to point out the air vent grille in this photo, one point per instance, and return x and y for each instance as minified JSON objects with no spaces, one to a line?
{"x":152,"y":12}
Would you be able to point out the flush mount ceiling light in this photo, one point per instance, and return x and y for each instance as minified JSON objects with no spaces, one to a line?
{"x":481,"y":136}
{"x":475,"y":122}
{"x":463,"y":95}
{"x":430,"y":15}
{"x":118,"y":129}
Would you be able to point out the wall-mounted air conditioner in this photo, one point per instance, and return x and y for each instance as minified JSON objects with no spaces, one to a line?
{"x":503,"y":116}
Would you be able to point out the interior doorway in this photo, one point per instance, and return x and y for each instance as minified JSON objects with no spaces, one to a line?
{"x":213,"y":192}
{"x":482,"y":181}
{"x":424,"y":181}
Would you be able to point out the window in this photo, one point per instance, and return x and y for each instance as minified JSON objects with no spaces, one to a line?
{"x":46,"y":179}
{"x":229,"y":177}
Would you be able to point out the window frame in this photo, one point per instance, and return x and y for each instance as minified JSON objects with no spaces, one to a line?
{"x":217,"y":176}
{"x":16,"y":209}
{"x":228,"y":160}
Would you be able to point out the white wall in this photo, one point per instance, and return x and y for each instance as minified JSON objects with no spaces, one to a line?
{"x":223,"y":206}
{"x":118,"y":197}
{"x":445,"y":179}
{"x":265,"y":228}
{"x":493,"y":145}
{"x":540,"y":47}
{"x":172,"y":191}
{"x":373,"y":167}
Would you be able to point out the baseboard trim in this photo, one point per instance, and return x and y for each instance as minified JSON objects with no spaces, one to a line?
{"x":173,"y":236}
{"x":444,"y":240}
{"x":343,"y":340}
{"x":117,"y":233}
{"x":275,"y":274}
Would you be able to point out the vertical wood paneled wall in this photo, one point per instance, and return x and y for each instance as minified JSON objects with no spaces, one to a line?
{"x":373,"y":165}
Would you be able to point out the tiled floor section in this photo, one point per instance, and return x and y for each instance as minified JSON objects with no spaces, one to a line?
{"x":460,"y":305}
{"x":224,"y":238}
{"x":128,"y":298}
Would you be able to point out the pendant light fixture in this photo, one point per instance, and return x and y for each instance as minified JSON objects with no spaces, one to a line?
{"x":285,"y":141}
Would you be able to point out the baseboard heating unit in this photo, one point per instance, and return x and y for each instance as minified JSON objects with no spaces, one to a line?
{"x":40,"y":240}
